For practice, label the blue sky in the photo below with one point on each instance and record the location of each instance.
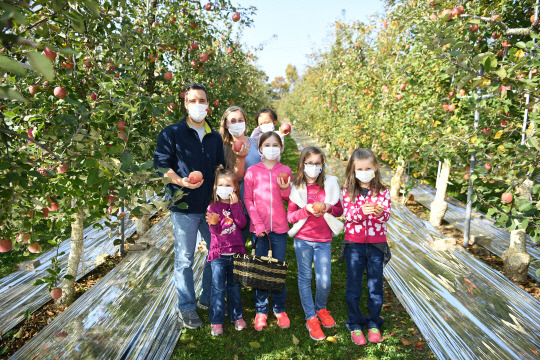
(301, 28)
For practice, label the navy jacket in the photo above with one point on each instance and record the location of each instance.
(180, 149)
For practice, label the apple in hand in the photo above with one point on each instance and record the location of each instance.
(195, 177)
(284, 176)
(319, 207)
(213, 218)
(285, 128)
(237, 146)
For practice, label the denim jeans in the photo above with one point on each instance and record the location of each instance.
(358, 258)
(318, 253)
(185, 227)
(260, 297)
(223, 282)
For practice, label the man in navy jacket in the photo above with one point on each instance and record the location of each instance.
(186, 146)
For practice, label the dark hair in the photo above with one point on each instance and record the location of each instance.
(230, 156)
(352, 184)
(300, 178)
(222, 172)
(271, 112)
(196, 86)
(265, 136)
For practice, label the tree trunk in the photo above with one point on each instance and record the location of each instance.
(142, 224)
(439, 206)
(395, 185)
(516, 259)
(77, 245)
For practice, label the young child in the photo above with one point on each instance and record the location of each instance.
(267, 120)
(313, 206)
(226, 218)
(264, 193)
(366, 204)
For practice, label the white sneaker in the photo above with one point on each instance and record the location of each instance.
(202, 306)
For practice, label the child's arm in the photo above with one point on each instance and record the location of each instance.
(256, 133)
(237, 212)
(294, 214)
(383, 216)
(351, 211)
(214, 229)
(337, 209)
(250, 205)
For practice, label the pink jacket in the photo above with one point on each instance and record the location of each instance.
(264, 199)
(362, 228)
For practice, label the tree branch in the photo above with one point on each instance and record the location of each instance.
(507, 30)
(44, 147)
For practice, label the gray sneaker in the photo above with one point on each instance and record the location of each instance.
(202, 306)
(190, 319)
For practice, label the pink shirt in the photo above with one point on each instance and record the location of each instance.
(264, 199)
(315, 228)
(362, 228)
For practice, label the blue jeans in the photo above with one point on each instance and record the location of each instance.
(185, 227)
(358, 258)
(318, 253)
(223, 282)
(260, 297)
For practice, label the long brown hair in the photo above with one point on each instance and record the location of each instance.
(230, 156)
(352, 184)
(222, 172)
(300, 179)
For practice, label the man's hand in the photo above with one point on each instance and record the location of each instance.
(183, 182)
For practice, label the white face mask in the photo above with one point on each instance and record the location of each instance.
(237, 129)
(312, 171)
(224, 192)
(365, 176)
(271, 152)
(197, 112)
(266, 127)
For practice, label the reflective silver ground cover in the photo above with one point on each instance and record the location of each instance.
(17, 294)
(128, 314)
(464, 308)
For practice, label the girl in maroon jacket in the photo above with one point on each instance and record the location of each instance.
(366, 208)
(226, 219)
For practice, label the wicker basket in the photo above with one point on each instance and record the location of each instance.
(260, 272)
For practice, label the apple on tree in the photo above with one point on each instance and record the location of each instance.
(5, 245)
(34, 247)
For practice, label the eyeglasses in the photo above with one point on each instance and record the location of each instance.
(195, 85)
(313, 164)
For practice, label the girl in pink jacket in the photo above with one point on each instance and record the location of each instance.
(266, 186)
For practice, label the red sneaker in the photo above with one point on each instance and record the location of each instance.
(314, 329)
(283, 320)
(358, 338)
(374, 335)
(326, 320)
(260, 321)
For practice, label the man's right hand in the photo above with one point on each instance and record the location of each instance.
(184, 182)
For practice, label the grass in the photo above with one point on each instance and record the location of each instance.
(402, 339)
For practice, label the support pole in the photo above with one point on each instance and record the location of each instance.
(123, 229)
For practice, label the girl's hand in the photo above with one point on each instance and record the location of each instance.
(233, 198)
(368, 208)
(282, 184)
(212, 218)
(378, 210)
(262, 234)
(309, 209)
(244, 150)
(328, 207)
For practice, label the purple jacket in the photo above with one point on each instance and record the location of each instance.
(227, 233)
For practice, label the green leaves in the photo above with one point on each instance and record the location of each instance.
(41, 64)
(12, 66)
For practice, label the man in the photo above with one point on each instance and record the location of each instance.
(186, 146)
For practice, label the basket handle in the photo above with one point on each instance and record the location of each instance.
(269, 245)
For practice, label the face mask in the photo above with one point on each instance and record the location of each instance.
(237, 129)
(224, 192)
(271, 153)
(312, 171)
(365, 176)
(266, 127)
(197, 112)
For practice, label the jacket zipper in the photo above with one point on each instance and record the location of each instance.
(271, 200)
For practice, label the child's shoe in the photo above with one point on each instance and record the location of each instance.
(326, 320)
(260, 321)
(314, 329)
(374, 335)
(283, 320)
(216, 329)
(240, 324)
(358, 338)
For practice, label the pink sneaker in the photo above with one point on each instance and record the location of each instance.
(240, 324)
(260, 321)
(283, 320)
(358, 338)
(216, 329)
(374, 335)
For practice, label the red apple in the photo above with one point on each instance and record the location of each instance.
(34, 247)
(402, 86)
(496, 35)
(451, 107)
(467, 176)
(216, 103)
(30, 132)
(49, 54)
(56, 293)
(284, 176)
(236, 17)
(445, 107)
(533, 18)
(93, 96)
(213, 219)
(504, 123)
(203, 57)
(168, 75)
(195, 177)
(473, 28)
(507, 197)
(398, 97)
(319, 207)
(45, 212)
(111, 198)
(122, 136)
(487, 166)
(60, 92)
(462, 92)
(121, 125)
(194, 46)
(33, 89)
(183, 94)
(112, 210)
(285, 128)
(486, 131)
(5, 245)
(208, 6)
(433, 17)
(237, 146)
(23, 238)
(229, 50)
(111, 67)
(172, 19)
(54, 205)
(62, 168)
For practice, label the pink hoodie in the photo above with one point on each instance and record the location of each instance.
(264, 199)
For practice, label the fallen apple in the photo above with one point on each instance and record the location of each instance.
(56, 293)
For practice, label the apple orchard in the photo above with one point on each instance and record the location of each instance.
(408, 86)
(86, 88)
